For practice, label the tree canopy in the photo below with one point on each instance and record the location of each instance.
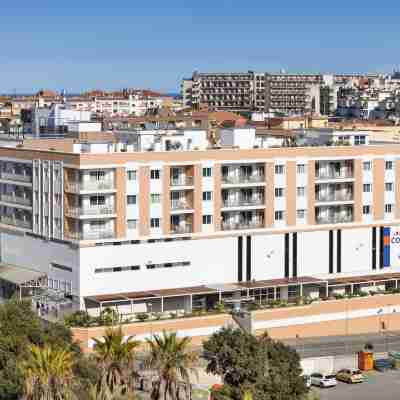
(267, 369)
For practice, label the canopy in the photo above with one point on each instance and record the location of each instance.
(19, 275)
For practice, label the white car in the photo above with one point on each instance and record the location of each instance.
(323, 380)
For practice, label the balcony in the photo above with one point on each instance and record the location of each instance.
(181, 205)
(182, 181)
(9, 198)
(240, 202)
(181, 229)
(12, 176)
(100, 185)
(242, 179)
(92, 235)
(244, 224)
(334, 174)
(77, 212)
(19, 223)
(334, 196)
(334, 219)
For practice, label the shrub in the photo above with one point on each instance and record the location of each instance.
(220, 307)
(157, 316)
(363, 294)
(173, 315)
(109, 317)
(142, 316)
(79, 318)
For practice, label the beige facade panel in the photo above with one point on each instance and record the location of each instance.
(144, 201)
(358, 190)
(269, 194)
(311, 192)
(120, 202)
(198, 199)
(378, 188)
(291, 193)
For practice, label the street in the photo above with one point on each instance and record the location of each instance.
(382, 386)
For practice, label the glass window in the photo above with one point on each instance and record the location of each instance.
(389, 165)
(278, 215)
(301, 214)
(131, 175)
(388, 208)
(367, 165)
(279, 192)
(155, 174)
(301, 191)
(366, 210)
(155, 222)
(97, 175)
(207, 172)
(367, 188)
(131, 199)
(207, 196)
(132, 223)
(207, 219)
(279, 169)
(389, 187)
(155, 198)
(301, 168)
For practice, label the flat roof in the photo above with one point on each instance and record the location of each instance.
(19, 275)
(281, 282)
(363, 279)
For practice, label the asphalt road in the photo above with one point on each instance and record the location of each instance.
(381, 386)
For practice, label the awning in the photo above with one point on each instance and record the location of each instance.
(19, 275)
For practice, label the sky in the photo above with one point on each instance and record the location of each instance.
(87, 44)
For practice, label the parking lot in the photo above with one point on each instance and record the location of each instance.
(381, 386)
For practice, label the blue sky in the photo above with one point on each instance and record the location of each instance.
(87, 44)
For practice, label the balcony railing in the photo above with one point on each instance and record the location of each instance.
(243, 202)
(12, 176)
(20, 223)
(93, 235)
(182, 181)
(242, 179)
(250, 224)
(334, 174)
(25, 201)
(89, 211)
(334, 219)
(339, 196)
(181, 229)
(181, 205)
(100, 185)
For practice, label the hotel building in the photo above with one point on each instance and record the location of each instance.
(166, 220)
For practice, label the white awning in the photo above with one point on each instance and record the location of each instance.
(19, 275)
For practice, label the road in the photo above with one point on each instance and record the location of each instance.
(382, 386)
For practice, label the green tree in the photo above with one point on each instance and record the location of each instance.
(173, 362)
(267, 369)
(48, 373)
(116, 356)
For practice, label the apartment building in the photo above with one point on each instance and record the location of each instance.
(173, 227)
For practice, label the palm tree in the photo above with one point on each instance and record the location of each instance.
(116, 356)
(48, 373)
(170, 358)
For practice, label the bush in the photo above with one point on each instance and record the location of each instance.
(79, 318)
(157, 316)
(363, 294)
(220, 307)
(253, 306)
(142, 316)
(109, 317)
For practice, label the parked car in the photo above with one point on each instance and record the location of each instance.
(350, 376)
(383, 364)
(323, 380)
(307, 381)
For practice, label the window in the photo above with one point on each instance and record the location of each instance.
(366, 210)
(131, 199)
(388, 187)
(207, 196)
(367, 165)
(155, 198)
(207, 172)
(388, 208)
(169, 265)
(367, 188)
(301, 191)
(359, 140)
(155, 222)
(279, 169)
(389, 165)
(132, 224)
(61, 267)
(118, 269)
(97, 201)
(98, 225)
(131, 175)
(301, 214)
(278, 215)
(278, 192)
(155, 174)
(301, 168)
(97, 175)
(207, 219)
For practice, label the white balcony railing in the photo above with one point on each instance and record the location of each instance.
(242, 179)
(89, 211)
(334, 219)
(249, 224)
(20, 223)
(11, 176)
(334, 174)
(339, 196)
(25, 201)
(243, 202)
(181, 205)
(182, 181)
(181, 229)
(92, 235)
(100, 185)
